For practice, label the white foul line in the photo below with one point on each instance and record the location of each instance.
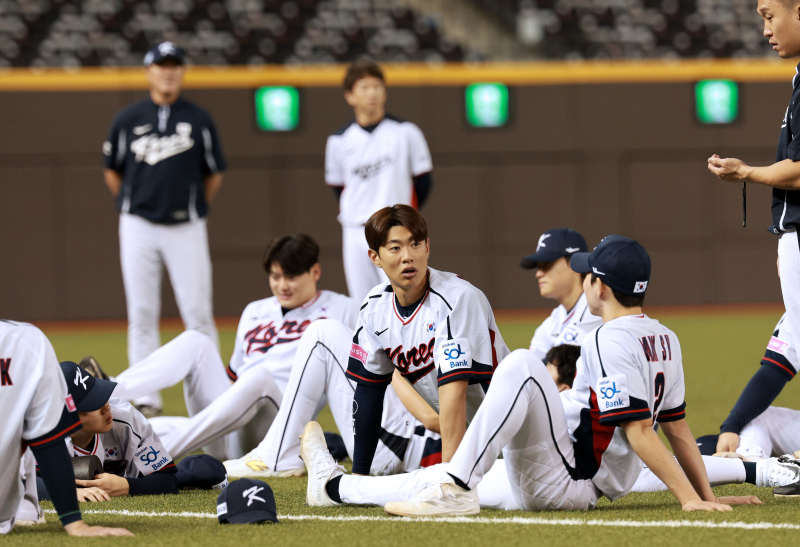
(481, 520)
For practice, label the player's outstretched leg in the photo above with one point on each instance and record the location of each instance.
(522, 415)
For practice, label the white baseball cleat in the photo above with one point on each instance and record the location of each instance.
(320, 464)
(442, 499)
(250, 465)
(777, 472)
(30, 522)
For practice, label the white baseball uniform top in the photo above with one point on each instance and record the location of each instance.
(376, 168)
(266, 337)
(630, 369)
(564, 327)
(451, 331)
(131, 448)
(37, 410)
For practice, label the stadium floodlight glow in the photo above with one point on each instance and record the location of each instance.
(277, 108)
(487, 104)
(717, 101)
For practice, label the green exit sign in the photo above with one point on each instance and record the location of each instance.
(717, 101)
(277, 108)
(487, 104)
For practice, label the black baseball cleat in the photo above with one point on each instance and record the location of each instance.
(788, 491)
(90, 365)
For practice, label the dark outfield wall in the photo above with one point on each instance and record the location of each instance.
(627, 159)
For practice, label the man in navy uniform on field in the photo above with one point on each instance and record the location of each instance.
(163, 164)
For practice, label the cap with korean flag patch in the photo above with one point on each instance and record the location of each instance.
(622, 263)
(246, 501)
(552, 245)
(88, 393)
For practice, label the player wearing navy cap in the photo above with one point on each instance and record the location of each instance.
(629, 375)
(163, 164)
(38, 413)
(571, 319)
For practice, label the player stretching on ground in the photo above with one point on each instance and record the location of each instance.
(38, 413)
(374, 161)
(433, 327)
(630, 373)
(133, 458)
(571, 320)
(266, 342)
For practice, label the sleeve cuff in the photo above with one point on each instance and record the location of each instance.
(232, 375)
(476, 374)
(69, 423)
(779, 363)
(672, 415)
(359, 374)
(637, 410)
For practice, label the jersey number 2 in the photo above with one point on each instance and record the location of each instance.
(659, 392)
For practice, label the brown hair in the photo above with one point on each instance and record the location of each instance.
(295, 254)
(377, 228)
(564, 358)
(359, 70)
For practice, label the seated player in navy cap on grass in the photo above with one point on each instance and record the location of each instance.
(132, 455)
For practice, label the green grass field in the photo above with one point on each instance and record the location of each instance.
(720, 352)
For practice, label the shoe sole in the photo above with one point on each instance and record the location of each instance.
(307, 430)
(398, 512)
(90, 365)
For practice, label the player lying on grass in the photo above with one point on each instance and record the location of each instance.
(630, 375)
(134, 460)
(38, 414)
(433, 327)
(319, 374)
(571, 319)
(266, 342)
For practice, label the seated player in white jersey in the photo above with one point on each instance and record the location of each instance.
(38, 414)
(405, 443)
(560, 457)
(571, 319)
(433, 327)
(134, 460)
(266, 341)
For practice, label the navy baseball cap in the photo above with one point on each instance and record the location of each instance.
(620, 262)
(163, 52)
(553, 244)
(202, 471)
(88, 392)
(246, 501)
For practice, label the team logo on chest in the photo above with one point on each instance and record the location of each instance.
(413, 363)
(263, 337)
(152, 148)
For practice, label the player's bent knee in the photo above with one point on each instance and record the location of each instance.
(327, 329)
(194, 338)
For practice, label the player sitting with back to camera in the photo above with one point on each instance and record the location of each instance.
(267, 339)
(630, 374)
(134, 460)
(571, 320)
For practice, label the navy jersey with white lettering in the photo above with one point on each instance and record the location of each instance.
(451, 335)
(786, 203)
(164, 154)
(630, 369)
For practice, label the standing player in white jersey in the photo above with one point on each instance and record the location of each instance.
(375, 161)
(571, 320)
(266, 342)
(630, 375)
(38, 413)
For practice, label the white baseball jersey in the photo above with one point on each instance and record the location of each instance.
(564, 327)
(36, 407)
(452, 331)
(131, 448)
(630, 369)
(375, 167)
(266, 337)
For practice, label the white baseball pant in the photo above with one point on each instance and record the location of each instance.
(789, 270)
(146, 247)
(193, 358)
(359, 271)
(520, 416)
(29, 509)
(720, 471)
(775, 432)
(318, 372)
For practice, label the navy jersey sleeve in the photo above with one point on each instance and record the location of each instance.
(793, 114)
(115, 146)
(212, 150)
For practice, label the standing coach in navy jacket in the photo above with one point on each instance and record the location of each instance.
(163, 164)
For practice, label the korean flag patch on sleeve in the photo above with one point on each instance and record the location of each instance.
(612, 393)
(455, 354)
(150, 457)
